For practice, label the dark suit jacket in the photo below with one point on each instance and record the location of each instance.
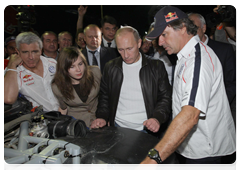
(227, 57)
(102, 45)
(106, 54)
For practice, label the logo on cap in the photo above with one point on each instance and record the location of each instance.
(171, 16)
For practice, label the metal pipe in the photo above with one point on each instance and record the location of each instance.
(22, 143)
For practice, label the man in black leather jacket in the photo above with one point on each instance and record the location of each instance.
(115, 95)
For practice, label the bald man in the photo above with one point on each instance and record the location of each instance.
(94, 53)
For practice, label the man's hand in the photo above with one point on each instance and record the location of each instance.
(147, 164)
(152, 124)
(14, 61)
(82, 10)
(98, 123)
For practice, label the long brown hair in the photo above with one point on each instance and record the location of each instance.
(62, 79)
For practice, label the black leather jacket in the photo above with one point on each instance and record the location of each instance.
(157, 92)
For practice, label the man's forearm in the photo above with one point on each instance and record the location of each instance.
(178, 131)
(80, 22)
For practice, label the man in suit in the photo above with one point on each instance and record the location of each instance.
(225, 54)
(108, 28)
(94, 53)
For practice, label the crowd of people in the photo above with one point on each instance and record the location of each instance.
(175, 83)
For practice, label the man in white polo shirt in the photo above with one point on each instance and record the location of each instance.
(202, 129)
(30, 74)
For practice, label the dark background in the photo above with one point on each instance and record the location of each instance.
(59, 18)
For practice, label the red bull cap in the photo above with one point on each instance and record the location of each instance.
(165, 16)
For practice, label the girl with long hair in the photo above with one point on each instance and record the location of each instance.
(76, 85)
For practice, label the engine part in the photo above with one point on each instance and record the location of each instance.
(41, 148)
(39, 127)
(58, 151)
(42, 152)
(73, 128)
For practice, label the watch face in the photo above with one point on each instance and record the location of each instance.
(152, 153)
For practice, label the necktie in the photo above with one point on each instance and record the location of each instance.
(109, 44)
(94, 61)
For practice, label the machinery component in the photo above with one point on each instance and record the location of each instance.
(66, 154)
(71, 128)
(58, 151)
(41, 148)
(45, 151)
(39, 127)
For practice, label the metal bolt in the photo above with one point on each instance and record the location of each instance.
(66, 154)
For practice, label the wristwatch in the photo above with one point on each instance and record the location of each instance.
(153, 154)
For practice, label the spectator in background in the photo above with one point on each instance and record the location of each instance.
(108, 28)
(94, 53)
(50, 45)
(30, 74)
(146, 47)
(76, 85)
(226, 30)
(162, 55)
(64, 40)
(80, 40)
(9, 47)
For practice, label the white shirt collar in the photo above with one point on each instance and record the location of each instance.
(206, 41)
(105, 42)
(98, 49)
(42, 58)
(186, 49)
(134, 64)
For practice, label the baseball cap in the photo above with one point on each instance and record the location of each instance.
(9, 39)
(165, 16)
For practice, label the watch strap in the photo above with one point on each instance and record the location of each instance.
(156, 156)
